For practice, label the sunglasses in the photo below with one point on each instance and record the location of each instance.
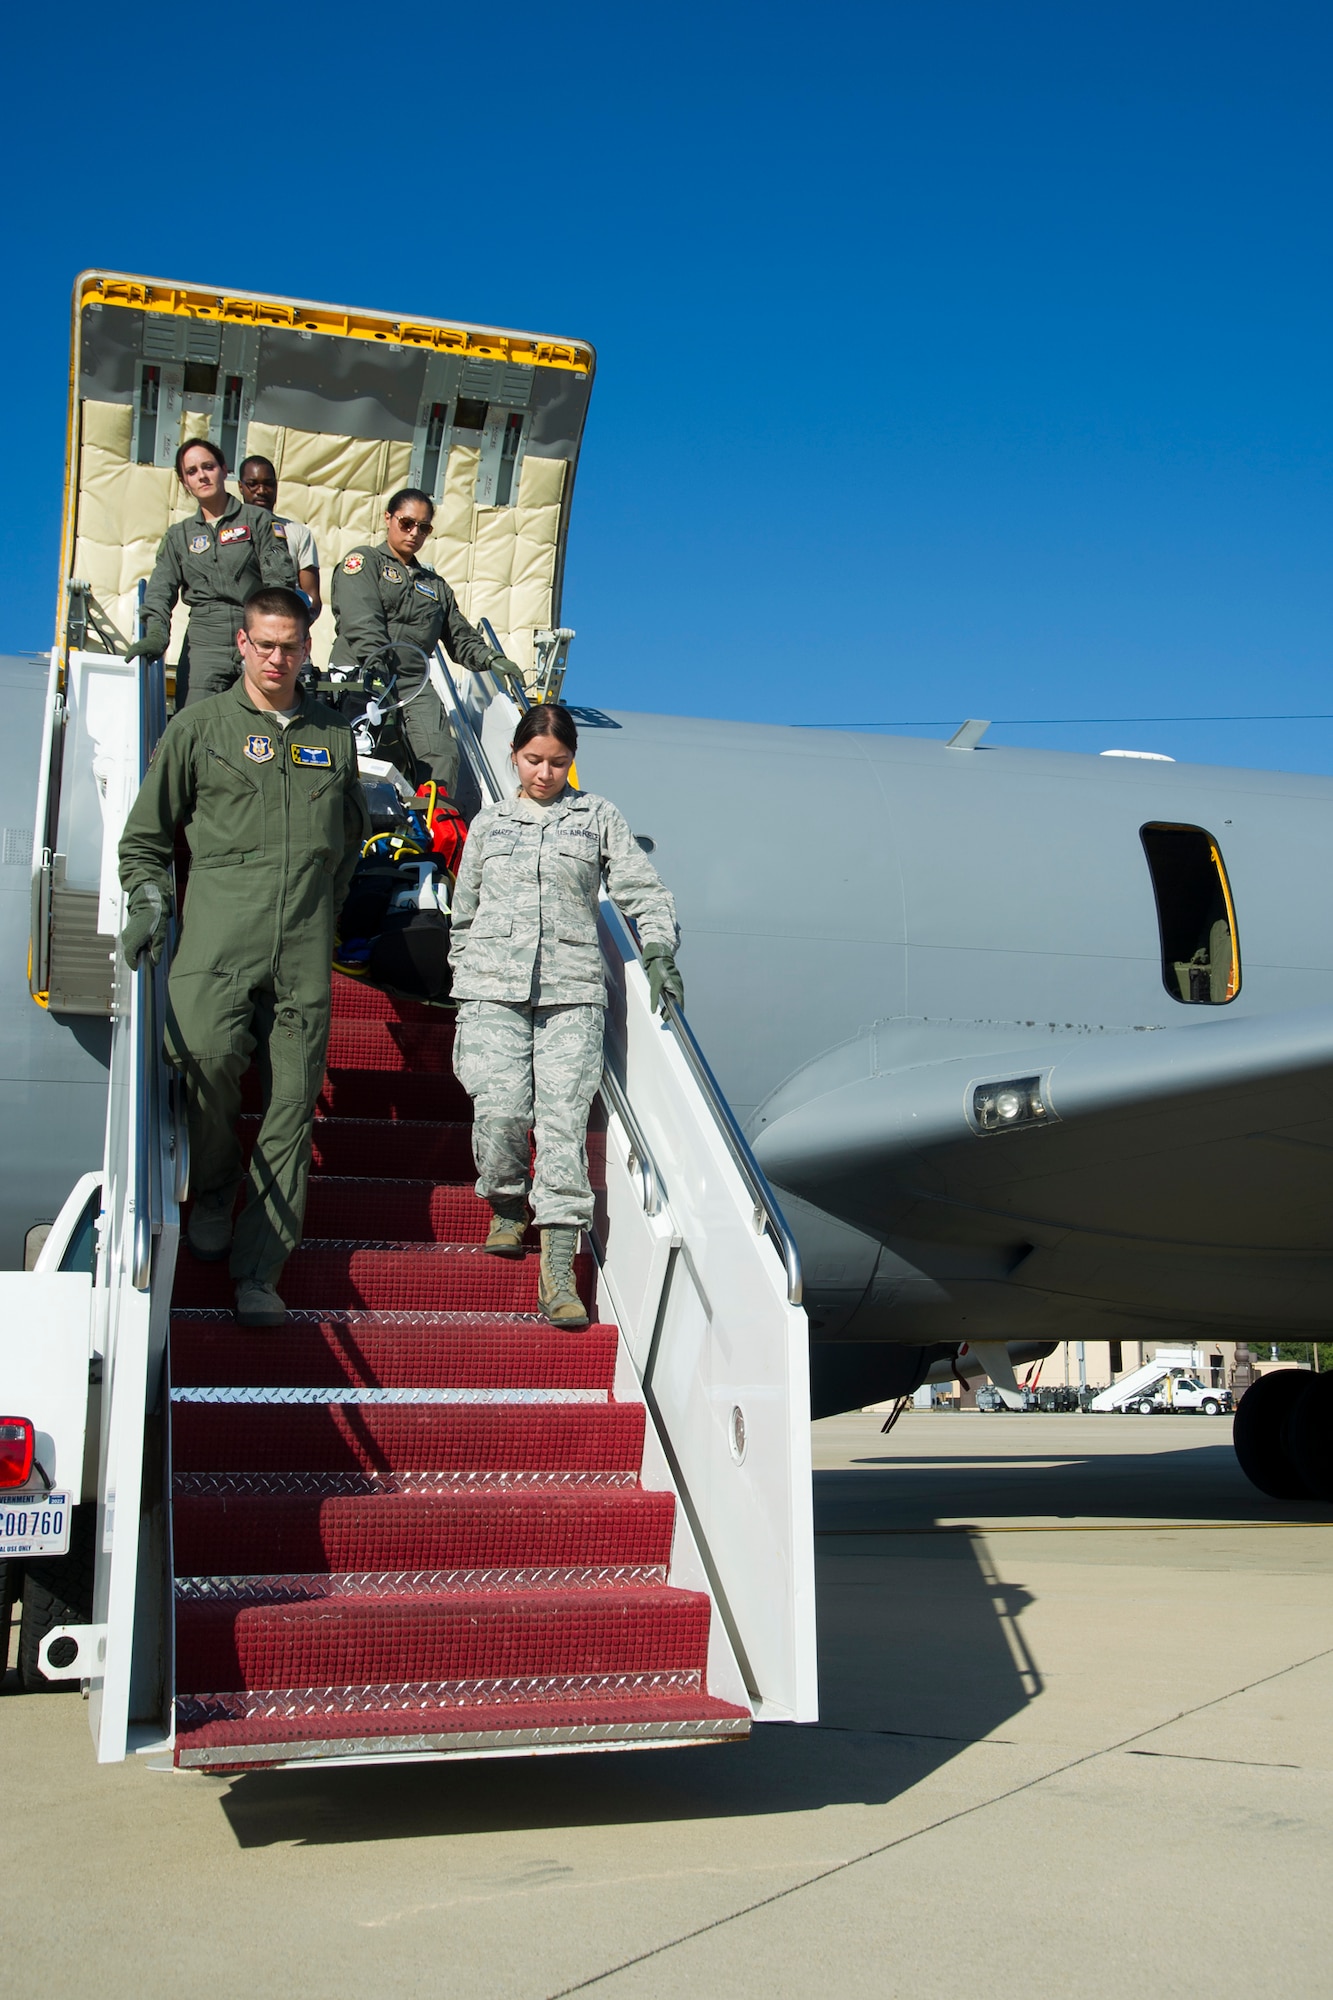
(409, 525)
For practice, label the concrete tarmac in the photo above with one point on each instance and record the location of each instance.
(1076, 1739)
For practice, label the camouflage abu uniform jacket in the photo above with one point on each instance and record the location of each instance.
(525, 908)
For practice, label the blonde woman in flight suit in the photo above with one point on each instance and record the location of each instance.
(531, 992)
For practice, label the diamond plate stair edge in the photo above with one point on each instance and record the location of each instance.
(463, 1743)
(195, 1711)
(332, 1484)
(304, 1585)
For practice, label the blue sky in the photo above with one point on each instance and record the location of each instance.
(954, 359)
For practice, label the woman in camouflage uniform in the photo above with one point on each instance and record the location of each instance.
(532, 994)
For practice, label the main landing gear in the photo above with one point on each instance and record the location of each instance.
(1283, 1435)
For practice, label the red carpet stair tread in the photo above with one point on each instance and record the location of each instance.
(412, 1519)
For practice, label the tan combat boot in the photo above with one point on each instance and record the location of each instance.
(508, 1228)
(557, 1294)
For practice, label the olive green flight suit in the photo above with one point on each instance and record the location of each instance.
(377, 599)
(275, 819)
(214, 566)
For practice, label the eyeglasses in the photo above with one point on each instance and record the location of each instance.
(409, 525)
(284, 653)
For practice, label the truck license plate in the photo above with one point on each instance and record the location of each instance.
(34, 1524)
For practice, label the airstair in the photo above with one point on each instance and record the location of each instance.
(417, 1520)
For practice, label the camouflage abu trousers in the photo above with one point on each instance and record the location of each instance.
(531, 1069)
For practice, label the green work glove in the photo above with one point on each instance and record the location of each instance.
(145, 927)
(153, 643)
(508, 672)
(664, 981)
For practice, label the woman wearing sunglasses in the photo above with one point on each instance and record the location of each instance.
(385, 596)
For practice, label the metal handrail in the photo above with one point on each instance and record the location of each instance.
(768, 1217)
(144, 1066)
(519, 694)
(641, 1160)
(151, 681)
(471, 742)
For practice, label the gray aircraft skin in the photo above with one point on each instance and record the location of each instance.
(876, 928)
(53, 1070)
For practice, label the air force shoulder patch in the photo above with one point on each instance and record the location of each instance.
(311, 753)
(259, 749)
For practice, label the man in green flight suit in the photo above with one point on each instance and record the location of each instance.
(382, 595)
(214, 560)
(264, 780)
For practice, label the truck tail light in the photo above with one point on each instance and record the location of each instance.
(16, 1446)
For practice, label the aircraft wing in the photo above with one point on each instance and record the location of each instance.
(1182, 1172)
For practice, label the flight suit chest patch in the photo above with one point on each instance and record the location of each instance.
(313, 754)
(259, 749)
(198, 545)
(390, 574)
(428, 590)
(238, 532)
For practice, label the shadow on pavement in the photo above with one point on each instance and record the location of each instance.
(920, 1654)
(921, 1651)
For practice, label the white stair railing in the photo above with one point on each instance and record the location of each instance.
(700, 1272)
(145, 1172)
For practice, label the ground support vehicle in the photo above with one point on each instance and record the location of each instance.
(1160, 1386)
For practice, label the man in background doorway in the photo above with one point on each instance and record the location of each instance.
(258, 481)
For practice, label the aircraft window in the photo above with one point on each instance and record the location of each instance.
(1195, 915)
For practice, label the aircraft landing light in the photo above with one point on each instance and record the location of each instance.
(1003, 1107)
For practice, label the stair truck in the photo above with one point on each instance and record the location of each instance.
(415, 1522)
(1164, 1383)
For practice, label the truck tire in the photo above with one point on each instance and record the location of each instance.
(1211, 1407)
(57, 1590)
(1310, 1437)
(1262, 1430)
(1145, 1408)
